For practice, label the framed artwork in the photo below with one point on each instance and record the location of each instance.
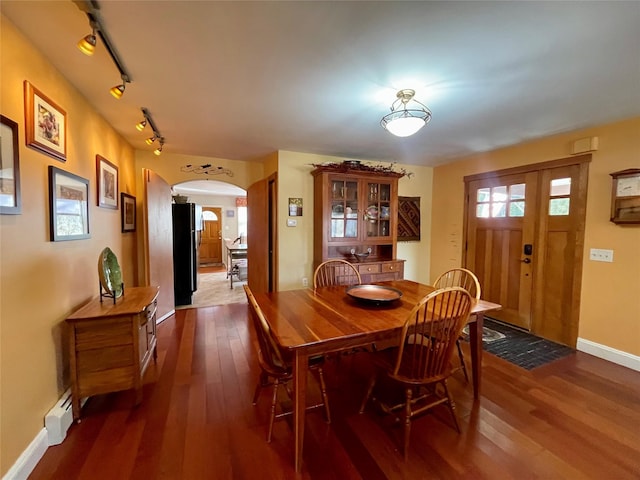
(128, 212)
(408, 219)
(295, 207)
(46, 123)
(10, 200)
(68, 206)
(107, 181)
(230, 213)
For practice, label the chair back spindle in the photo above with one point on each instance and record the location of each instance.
(336, 272)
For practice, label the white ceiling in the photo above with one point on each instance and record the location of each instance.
(239, 80)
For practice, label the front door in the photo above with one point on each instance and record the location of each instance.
(524, 238)
(211, 239)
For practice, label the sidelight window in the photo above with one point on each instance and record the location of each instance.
(560, 193)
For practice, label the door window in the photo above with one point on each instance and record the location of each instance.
(559, 194)
(501, 201)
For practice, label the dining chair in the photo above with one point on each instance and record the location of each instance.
(421, 361)
(460, 277)
(275, 368)
(336, 272)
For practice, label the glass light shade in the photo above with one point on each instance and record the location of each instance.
(140, 125)
(404, 126)
(158, 150)
(87, 45)
(117, 91)
(150, 140)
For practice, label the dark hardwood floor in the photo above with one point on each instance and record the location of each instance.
(576, 418)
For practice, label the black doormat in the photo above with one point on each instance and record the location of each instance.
(519, 347)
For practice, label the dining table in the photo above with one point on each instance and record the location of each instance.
(309, 322)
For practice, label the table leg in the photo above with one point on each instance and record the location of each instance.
(300, 369)
(475, 340)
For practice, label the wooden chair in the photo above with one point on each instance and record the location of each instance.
(336, 272)
(460, 277)
(422, 359)
(276, 367)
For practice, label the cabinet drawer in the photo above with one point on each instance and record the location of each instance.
(369, 268)
(392, 267)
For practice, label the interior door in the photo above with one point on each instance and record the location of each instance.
(158, 240)
(500, 237)
(211, 239)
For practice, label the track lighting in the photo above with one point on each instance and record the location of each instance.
(158, 150)
(118, 90)
(156, 133)
(88, 43)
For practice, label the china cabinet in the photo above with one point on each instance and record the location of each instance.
(355, 218)
(111, 344)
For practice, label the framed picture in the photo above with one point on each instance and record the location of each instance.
(408, 219)
(231, 213)
(10, 200)
(68, 205)
(107, 181)
(128, 212)
(46, 123)
(295, 207)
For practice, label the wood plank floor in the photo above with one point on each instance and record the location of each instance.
(576, 418)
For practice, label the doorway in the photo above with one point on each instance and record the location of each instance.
(524, 239)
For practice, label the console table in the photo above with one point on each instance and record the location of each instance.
(111, 344)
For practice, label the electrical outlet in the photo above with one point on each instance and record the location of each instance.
(601, 255)
(305, 282)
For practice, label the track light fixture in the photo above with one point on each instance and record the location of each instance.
(158, 150)
(156, 133)
(140, 125)
(407, 115)
(118, 90)
(88, 43)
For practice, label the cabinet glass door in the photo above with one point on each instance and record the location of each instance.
(377, 214)
(344, 208)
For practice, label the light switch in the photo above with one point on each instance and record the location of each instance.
(292, 222)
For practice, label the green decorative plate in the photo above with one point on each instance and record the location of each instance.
(109, 272)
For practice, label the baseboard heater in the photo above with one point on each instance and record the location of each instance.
(59, 419)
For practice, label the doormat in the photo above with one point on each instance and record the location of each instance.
(522, 348)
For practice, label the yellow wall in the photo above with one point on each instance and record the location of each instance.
(42, 282)
(610, 306)
(295, 244)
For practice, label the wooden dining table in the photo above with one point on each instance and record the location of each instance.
(310, 322)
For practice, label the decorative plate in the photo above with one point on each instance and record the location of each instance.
(109, 273)
(337, 210)
(371, 213)
(374, 294)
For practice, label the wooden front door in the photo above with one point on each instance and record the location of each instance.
(524, 240)
(211, 238)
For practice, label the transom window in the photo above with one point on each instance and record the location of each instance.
(501, 201)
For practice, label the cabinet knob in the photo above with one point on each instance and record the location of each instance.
(369, 269)
(391, 267)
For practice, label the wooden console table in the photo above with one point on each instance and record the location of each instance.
(111, 344)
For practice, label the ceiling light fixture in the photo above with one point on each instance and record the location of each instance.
(88, 43)
(92, 10)
(118, 90)
(406, 118)
(158, 150)
(148, 120)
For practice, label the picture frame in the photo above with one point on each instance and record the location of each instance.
(10, 198)
(408, 219)
(45, 123)
(295, 207)
(128, 212)
(68, 206)
(107, 183)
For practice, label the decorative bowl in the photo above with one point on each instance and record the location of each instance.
(361, 256)
(180, 198)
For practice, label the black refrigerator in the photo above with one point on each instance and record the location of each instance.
(185, 252)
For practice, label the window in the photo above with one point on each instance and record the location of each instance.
(242, 222)
(501, 201)
(209, 216)
(560, 192)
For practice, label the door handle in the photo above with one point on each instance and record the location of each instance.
(526, 260)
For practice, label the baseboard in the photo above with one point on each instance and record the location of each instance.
(610, 354)
(164, 317)
(29, 458)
